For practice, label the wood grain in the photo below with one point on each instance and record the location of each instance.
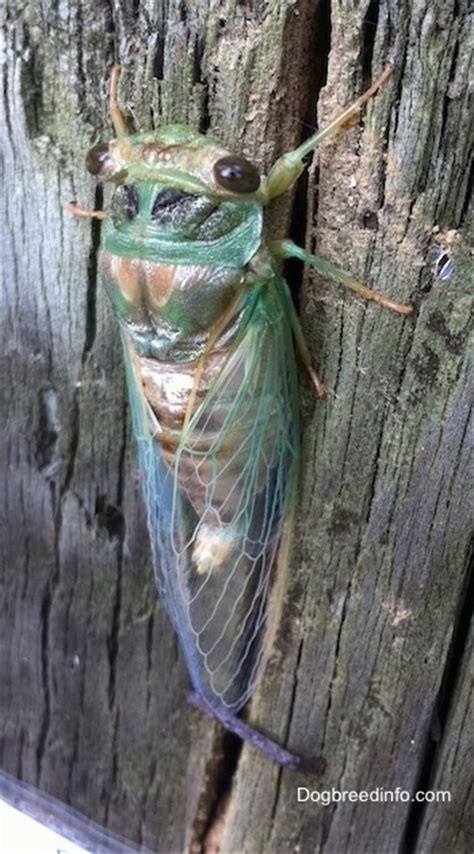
(93, 686)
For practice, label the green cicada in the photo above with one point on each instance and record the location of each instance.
(209, 333)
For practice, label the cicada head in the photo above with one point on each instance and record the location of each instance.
(178, 157)
(176, 182)
(179, 195)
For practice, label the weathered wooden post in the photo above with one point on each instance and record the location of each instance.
(371, 664)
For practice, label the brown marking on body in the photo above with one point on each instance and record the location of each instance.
(159, 281)
(140, 280)
(127, 272)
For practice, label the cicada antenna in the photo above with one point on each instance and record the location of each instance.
(118, 118)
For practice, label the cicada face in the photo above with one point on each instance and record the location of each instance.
(175, 156)
(176, 186)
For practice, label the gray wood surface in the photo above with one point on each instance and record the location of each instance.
(447, 826)
(370, 665)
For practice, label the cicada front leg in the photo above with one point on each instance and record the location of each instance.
(76, 210)
(286, 171)
(289, 167)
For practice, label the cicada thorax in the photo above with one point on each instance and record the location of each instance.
(168, 309)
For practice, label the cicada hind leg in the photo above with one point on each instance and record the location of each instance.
(258, 740)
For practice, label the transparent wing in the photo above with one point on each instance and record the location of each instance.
(219, 502)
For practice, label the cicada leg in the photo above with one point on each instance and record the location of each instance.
(305, 357)
(76, 210)
(282, 249)
(253, 736)
(289, 167)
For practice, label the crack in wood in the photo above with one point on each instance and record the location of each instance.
(369, 32)
(91, 298)
(114, 635)
(209, 823)
(441, 708)
(44, 728)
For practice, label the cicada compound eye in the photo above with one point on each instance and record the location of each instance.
(99, 161)
(236, 175)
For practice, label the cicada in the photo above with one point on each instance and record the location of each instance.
(211, 340)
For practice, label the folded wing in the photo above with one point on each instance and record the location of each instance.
(219, 501)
